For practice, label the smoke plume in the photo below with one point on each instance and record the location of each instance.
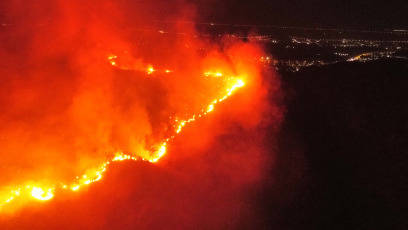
(82, 80)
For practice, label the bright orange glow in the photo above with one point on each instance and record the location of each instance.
(150, 69)
(112, 60)
(210, 108)
(40, 194)
(211, 74)
(111, 105)
(86, 179)
(94, 96)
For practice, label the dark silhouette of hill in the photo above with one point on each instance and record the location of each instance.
(343, 160)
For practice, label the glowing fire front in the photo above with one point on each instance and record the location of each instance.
(40, 194)
(38, 191)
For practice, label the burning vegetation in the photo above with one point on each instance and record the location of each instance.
(87, 84)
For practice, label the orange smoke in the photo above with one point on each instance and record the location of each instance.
(89, 83)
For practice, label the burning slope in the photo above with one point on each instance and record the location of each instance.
(95, 174)
(81, 90)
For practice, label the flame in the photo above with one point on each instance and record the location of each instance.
(210, 108)
(150, 69)
(216, 74)
(106, 88)
(40, 194)
(96, 174)
(112, 61)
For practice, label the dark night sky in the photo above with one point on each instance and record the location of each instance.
(337, 13)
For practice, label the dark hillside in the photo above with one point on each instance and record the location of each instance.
(350, 121)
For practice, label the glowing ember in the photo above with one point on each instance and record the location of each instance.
(40, 194)
(112, 60)
(105, 89)
(150, 70)
(210, 108)
(86, 179)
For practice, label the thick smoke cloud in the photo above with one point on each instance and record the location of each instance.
(61, 100)
(66, 107)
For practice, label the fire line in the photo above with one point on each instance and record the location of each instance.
(43, 193)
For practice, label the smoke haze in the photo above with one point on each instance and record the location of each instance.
(81, 80)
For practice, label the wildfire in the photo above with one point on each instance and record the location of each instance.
(111, 60)
(150, 69)
(44, 193)
(40, 194)
(217, 74)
